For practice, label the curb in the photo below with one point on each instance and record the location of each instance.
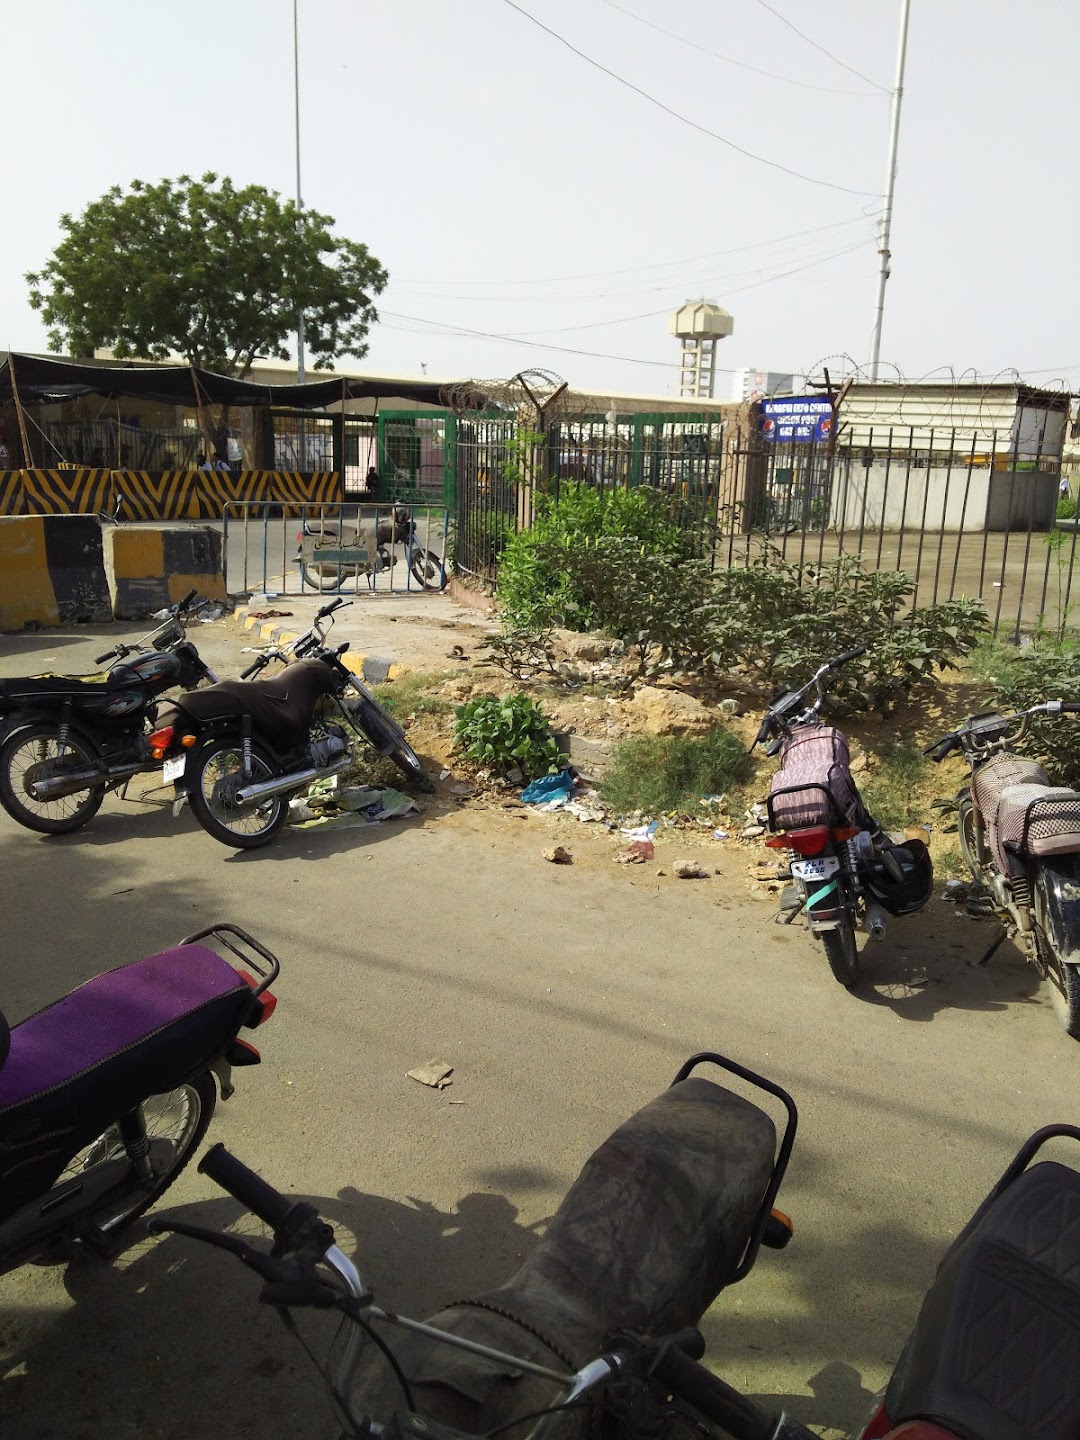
(375, 669)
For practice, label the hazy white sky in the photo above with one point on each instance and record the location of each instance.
(511, 188)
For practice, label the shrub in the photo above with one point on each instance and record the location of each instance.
(1066, 508)
(507, 732)
(1049, 670)
(662, 774)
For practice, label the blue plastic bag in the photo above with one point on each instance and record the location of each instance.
(548, 788)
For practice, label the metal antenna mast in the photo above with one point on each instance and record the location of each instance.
(300, 371)
(890, 185)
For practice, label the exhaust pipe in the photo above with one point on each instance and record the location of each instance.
(267, 789)
(875, 920)
(60, 785)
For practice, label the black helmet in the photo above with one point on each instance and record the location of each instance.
(911, 892)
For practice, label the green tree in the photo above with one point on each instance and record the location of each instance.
(202, 269)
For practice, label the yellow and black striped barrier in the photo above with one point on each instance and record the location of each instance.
(160, 495)
(151, 566)
(52, 571)
(55, 492)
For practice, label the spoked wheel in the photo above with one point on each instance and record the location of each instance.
(842, 952)
(34, 754)
(427, 568)
(965, 833)
(386, 735)
(321, 577)
(219, 774)
(1064, 982)
(176, 1122)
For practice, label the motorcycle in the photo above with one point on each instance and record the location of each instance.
(237, 750)
(68, 740)
(330, 552)
(1020, 837)
(596, 1333)
(106, 1094)
(846, 870)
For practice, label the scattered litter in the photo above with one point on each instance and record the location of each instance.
(444, 774)
(721, 834)
(262, 597)
(355, 806)
(160, 615)
(757, 811)
(712, 800)
(551, 791)
(435, 1073)
(463, 787)
(259, 615)
(585, 810)
(456, 1102)
(557, 855)
(689, 870)
(642, 832)
(661, 872)
(637, 853)
(300, 810)
(457, 653)
(955, 891)
(515, 776)
(751, 832)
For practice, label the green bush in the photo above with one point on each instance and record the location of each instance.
(507, 732)
(1049, 670)
(1066, 508)
(665, 774)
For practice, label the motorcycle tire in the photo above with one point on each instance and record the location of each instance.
(427, 569)
(386, 736)
(219, 769)
(965, 834)
(33, 746)
(195, 1101)
(842, 952)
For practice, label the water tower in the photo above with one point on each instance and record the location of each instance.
(699, 324)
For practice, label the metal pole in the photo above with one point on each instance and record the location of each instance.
(300, 371)
(890, 183)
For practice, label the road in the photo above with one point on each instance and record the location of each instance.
(563, 997)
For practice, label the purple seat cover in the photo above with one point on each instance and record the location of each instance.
(108, 1014)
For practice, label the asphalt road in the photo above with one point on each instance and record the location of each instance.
(564, 997)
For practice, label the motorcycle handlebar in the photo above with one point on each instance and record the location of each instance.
(188, 598)
(852, 654)
(333, 605)
(109, 655)
(256, 665)
(941, 748)
(244, 1185)
(718, 1401)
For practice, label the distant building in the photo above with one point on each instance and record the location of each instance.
(750, 384)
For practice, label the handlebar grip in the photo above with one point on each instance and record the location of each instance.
(852, 654)
(186, 601)
(253, 668)
(244, 1185)
(331, 607)
(1070, 707)
(942, 748)
(107, 656)
(715, 1399)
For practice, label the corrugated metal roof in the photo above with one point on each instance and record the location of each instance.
(993, 417)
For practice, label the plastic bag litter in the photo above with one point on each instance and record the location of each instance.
(363, 806)
(642, 832)
(551, 791)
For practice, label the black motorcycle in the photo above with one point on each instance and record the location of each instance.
(237, 751)
(68, 740)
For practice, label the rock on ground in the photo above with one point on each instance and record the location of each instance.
(670, 712)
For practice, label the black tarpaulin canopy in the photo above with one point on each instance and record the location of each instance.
(33, 380)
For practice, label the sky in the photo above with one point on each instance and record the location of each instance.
(535, 211)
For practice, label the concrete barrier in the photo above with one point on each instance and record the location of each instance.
(52, 571)
(151, 566)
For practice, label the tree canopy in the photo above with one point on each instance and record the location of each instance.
(202, 269)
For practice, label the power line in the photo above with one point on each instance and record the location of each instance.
(835, 58)
(656, 264)
(702, 129)
(729, 60)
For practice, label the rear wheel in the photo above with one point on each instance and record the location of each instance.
(176, 1122)
(321, 577)
(842, 952)
(427, 569)
(34, 754)
(1064, 982)
(219, 774)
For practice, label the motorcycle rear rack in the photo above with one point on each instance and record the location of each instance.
(1016, 1168)
(783, 1152)
(263, 961)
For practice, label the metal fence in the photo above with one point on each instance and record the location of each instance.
(298, 549)
(108, 443)
(961, 513)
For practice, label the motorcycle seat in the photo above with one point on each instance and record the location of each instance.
(1039, 819)
(26, 687)
(74, 1067)
(281, 708)
(996, 1350)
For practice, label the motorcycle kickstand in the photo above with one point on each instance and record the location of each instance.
(1003, 936)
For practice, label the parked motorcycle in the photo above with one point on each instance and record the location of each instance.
(237, 750)
(846, 870)
(331, 551)
(106, 1094)
(1020, 836)
(595, 1334)
(68, 740)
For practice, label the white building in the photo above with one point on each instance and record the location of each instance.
(750, 383)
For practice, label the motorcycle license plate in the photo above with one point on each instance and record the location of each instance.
(815, 869)
(173, 769)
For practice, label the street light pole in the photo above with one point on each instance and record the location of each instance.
(300, 370)
(890, 185)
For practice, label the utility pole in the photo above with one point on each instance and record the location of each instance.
(300, 370)
(890, 185)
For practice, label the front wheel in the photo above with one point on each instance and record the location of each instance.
(966, 834)
(427, 568)
(219, 774)
(386, 735)
(842, 952)
(1064, 982)
(176, 1122)
(33, 755)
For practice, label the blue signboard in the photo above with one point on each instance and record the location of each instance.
(800, 417)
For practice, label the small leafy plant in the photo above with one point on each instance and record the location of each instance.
(666, 774)
(507, 731)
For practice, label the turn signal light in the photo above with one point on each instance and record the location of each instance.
(805, 842)
(187, 741)
(779, 1228)
(845, 832)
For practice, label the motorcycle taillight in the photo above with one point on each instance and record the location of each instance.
(805, 842)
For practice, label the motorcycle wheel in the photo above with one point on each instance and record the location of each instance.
(219, 772)
(1064, 981)
(176, 1122)
(321, 577)
(22, 757)
(428, 570)
(842, 952)
(386, 736)
(965, 834)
